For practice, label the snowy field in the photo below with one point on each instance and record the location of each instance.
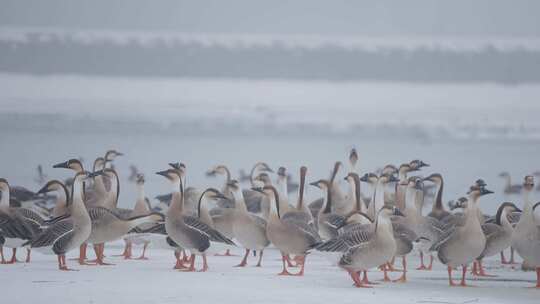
(154, 281)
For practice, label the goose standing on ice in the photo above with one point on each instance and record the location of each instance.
(526, 236)
(70, 230)
(142, 207)
(498, 235)
(290, 235)
(249, 230)
(17, 225)
(465, 242)
(367, 248)
(187, 231)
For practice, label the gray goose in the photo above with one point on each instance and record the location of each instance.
(526, 236)
(249, 229)
(17, 225)
(463, 243)
(187, 231)
(290, 235)
(69, 231)
(366, 248)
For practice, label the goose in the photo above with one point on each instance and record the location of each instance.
(378, 200)
(437, 210)
(526, 236)
(71, 230)
(142, 207)
(249, 230)
(109, 224)
(404, 227)
(401, 186)
(17, 225)
(316, 205)
(353, 161)
(498, 236)
(366, 248)
(187, 231)
(509, 188)
(288, 234)
(327, 221)
(358, 214)
(62, 196)
(463, 243)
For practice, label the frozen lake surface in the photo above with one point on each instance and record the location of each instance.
(154, 281)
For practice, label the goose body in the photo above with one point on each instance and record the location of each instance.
(526, 236)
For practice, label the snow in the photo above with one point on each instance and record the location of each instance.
(154, 281)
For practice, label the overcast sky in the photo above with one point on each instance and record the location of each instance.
(381, 17)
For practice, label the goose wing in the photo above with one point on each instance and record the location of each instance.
(55, 235)
(100, 214)
(351, 238)
(14, 225)
(32, 218)
(308, 230)
(201, 228)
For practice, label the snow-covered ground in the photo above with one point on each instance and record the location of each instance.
(154, 281)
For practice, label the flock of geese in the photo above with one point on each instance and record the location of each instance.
(365, 229)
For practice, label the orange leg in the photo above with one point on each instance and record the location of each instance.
(2, 255)
(28, 251)
(481, 271)
(474, 270)
(13, 257)
(243, 263)
(422, 266)
(227, 253)
(302, 265)
(260, 258)
(450, 281)
(179, 260)
(283, 260)
(403, 277)
(62, 263)
(205, 263)
(430, 267)
(356, 279)
(385, 270)
(191, 264)
(512, 261)
(82, 255)
(390, 265)
(288, 260)
(537, 278)
(142, 257)
(463, 275)
(99, 249)
(366, 281)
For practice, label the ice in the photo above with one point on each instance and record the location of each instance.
(154, 281)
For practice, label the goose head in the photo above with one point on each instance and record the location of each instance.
(99, 164)
(173, 176)
(504, 174)
(140, 179)
(72, 164)
(370, 178)
(417, 164)
(475, 192)
(262, 167)
(353, 157)
(218, 170)
(528, 182)
(415, 183)
(53, 185)
(434, 178)
(112, 155)
(321, 184)
(4, 185)
(263, 179)
(389, 211)
(389, 169)
(282, 174)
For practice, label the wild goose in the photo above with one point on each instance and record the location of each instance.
(378, 200)
(510, 188)
(69, 231)
(437, 210)
(142, 207)
(360, 209)
(108, 226)
(327, 221)
(366, 248)
(290, 235)
(249, 230)
(17, 225)
(498, 236)
(462, 244)
(401, 186)
(526, 236)
(188, 231)
(62, 197)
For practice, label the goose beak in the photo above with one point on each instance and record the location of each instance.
(485, 191)
(219, 195)
(45, 189)
(516, 209)
(96, 173)
(162, 173)
(211, 173)
(316, 184)
(64, 165)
